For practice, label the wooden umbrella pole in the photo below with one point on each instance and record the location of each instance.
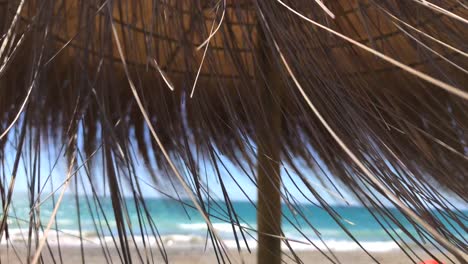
(268, 159)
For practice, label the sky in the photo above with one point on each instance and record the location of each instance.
(149, 187)
(58, 176)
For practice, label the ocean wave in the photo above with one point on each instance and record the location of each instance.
(341, 245)
(175, 241)
(220, 227)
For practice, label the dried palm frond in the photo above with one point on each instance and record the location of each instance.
(373, 91)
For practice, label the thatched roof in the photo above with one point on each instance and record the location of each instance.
(408, 128)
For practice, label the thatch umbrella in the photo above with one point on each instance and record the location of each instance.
(375, 89)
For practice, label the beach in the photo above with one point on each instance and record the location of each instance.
(184, 235)
(225, 131)
(94, 255)
(184, 249)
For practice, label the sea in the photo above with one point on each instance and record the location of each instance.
(176, 223)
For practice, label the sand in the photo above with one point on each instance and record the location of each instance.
(94, 255)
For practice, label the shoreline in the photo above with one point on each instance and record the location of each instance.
(71, 238)
(94, 254)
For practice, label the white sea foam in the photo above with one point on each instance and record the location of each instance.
(335, 246)
(72, 238)
(65, 237)
(220, 227)
(194, 227)
(341, 245)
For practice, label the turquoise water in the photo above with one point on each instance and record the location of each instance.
(184, 223)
